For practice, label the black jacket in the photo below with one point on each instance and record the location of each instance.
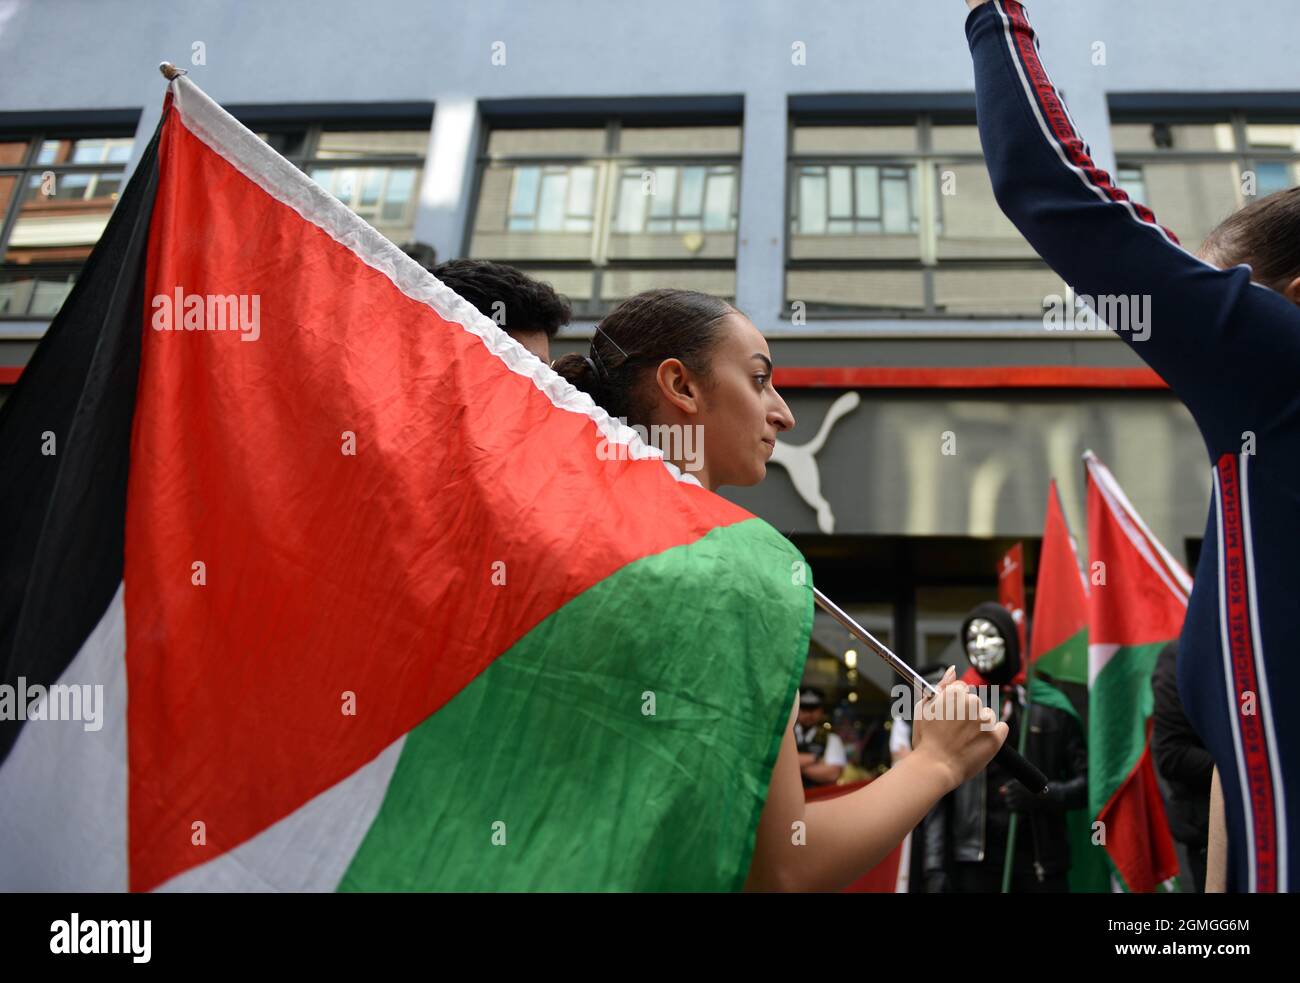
(1180, 757)
(961, 829)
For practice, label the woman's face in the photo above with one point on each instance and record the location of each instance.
(739, 411)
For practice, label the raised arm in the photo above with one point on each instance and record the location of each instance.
(1209, 330)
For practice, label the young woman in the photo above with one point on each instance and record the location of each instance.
(678, 358)
(1224, 332)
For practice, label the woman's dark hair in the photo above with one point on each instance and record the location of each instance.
(1265, 234)
(635, 337)
(529, 305)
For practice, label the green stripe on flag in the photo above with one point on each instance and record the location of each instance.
(1090, 865)
(1120, 701)
(548, 773)
(1068, 662)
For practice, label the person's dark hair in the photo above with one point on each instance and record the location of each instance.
(530, 305)
(1265, 234)
(635, 337)
(422, 253)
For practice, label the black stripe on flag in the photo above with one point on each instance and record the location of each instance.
(63, 515)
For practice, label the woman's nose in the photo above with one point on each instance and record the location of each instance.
(782, 418)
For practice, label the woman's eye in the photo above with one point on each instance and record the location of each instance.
(761, 379)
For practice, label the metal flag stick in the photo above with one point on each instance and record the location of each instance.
(1007, 756)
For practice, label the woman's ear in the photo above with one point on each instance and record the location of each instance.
(675, 385)
(1291, 291)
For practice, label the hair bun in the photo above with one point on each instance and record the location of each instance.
(580, 371)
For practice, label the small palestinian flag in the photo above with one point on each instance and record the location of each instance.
(1058, 647)
(353, 592)
(1058, 644)
(1136, 606)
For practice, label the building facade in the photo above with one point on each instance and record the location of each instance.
(817, 163)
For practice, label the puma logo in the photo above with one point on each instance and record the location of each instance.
(799, 461)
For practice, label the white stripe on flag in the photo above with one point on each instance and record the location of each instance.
(1162, 563)
(309, 849)
(63, 788)
(63, 802)
(1098, 655)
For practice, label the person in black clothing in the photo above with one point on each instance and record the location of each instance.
(1183, 763)
(966, 833)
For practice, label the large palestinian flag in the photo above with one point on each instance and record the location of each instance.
(375, 600)
(1136, 604)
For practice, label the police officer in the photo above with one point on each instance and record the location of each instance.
(821, 752)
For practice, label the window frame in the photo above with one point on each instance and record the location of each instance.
(36, 137)
(1242, 155)
(925, 160)
(609, 165)
(313, 126)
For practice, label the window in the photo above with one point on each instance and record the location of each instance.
(376, 173)
(552, 198)
(57, 191)
(607, 209)
(1193, 173)
(896, 218)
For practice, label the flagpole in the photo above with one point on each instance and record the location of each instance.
(1008, 757)
(1015, 816)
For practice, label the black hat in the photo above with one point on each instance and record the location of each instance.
(810, 698)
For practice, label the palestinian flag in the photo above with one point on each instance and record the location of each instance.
(372, 599)
(1011, 587)
(1058, 643)
(1135, 607)
(1058, 649)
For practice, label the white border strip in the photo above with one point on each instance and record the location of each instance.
(1169, 571)
(253, 158)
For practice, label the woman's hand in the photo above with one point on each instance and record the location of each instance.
(956, 730)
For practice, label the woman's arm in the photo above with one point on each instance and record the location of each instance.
(825, 846)
(1216, 859)
(1228, 348)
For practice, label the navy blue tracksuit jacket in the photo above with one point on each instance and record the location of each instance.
(1230, 350)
